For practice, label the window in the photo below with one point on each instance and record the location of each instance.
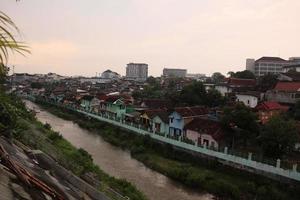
(171, 120)
(157, 127)
(205, 142)
(212, 144)
(293, 95)
(248, 102)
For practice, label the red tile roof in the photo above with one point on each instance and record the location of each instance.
(288, 86)
(156, 103)
(112, 98)
(102, 97)
(191, 111)
(164, 116)
(270, 59)
(238, 82)
(206, 126)
(270, 105)
(152, 113)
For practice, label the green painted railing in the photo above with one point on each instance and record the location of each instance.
(222, 156)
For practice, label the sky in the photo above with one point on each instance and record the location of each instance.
(80, 37)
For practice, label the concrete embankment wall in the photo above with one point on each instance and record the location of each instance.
(246, 164)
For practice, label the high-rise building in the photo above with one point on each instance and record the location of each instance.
(250, 64)
(108, 74)
(266, 65)
(137, 71)
(171, 72)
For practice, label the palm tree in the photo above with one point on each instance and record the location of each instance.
(8, 43)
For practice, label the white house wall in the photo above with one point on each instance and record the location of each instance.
(248, 100)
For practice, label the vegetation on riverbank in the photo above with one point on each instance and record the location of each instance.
(201, 174)
(18, 124)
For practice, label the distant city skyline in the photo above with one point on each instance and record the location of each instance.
(82, 38)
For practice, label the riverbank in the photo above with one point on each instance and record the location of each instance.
(19, 126)
(35, 135)
(40, 136)
(189, 170)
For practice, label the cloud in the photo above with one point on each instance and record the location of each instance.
(202, 35)
(46, 56)
(54, 48)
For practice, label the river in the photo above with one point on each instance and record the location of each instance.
(117, 162)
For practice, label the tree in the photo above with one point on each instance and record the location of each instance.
(196, 94)
(278, 137)
(295, 111)
(214, 98)
(193, 94)
(152, 80)
(240, 122)
(246, 74)
(8, 117)
(217, 77)
(230, 73)
(8, 43)
(36, 85)
(267, 82)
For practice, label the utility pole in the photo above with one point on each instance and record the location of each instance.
(14, 76)
(12, 81)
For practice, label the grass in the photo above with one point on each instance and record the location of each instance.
(201, 174)
(39, 136)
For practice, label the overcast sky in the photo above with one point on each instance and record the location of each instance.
(82, 37)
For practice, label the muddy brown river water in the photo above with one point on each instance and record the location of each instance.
(118, 162)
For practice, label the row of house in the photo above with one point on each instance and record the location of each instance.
(197, 124)
(285, 91)
(154, 115)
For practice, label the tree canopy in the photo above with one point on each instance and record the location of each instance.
(196, 94)
(267, 82)
(246, 74)
(295, 111)
(8, 43)
(217, 77)
(278, 137)
(241, 122)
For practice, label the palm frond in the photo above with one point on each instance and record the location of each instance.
(8, 43)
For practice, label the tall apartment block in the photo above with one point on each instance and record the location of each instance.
(171, 72)
(268, 65)
(137, 71)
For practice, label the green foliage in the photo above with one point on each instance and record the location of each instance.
(11, 108)
(217, 77)
(54, 136)
(240, 122)
(7, 116)
(195, 94)
(152, 90)
(294, 112)
(3, 73)
(267, 82)
(214, 98)
(36, 85)
(278, 137)
(153, 81)
(7, 40)
(47, 126)
(246, 74)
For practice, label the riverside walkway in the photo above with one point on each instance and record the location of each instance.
(223, 156)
